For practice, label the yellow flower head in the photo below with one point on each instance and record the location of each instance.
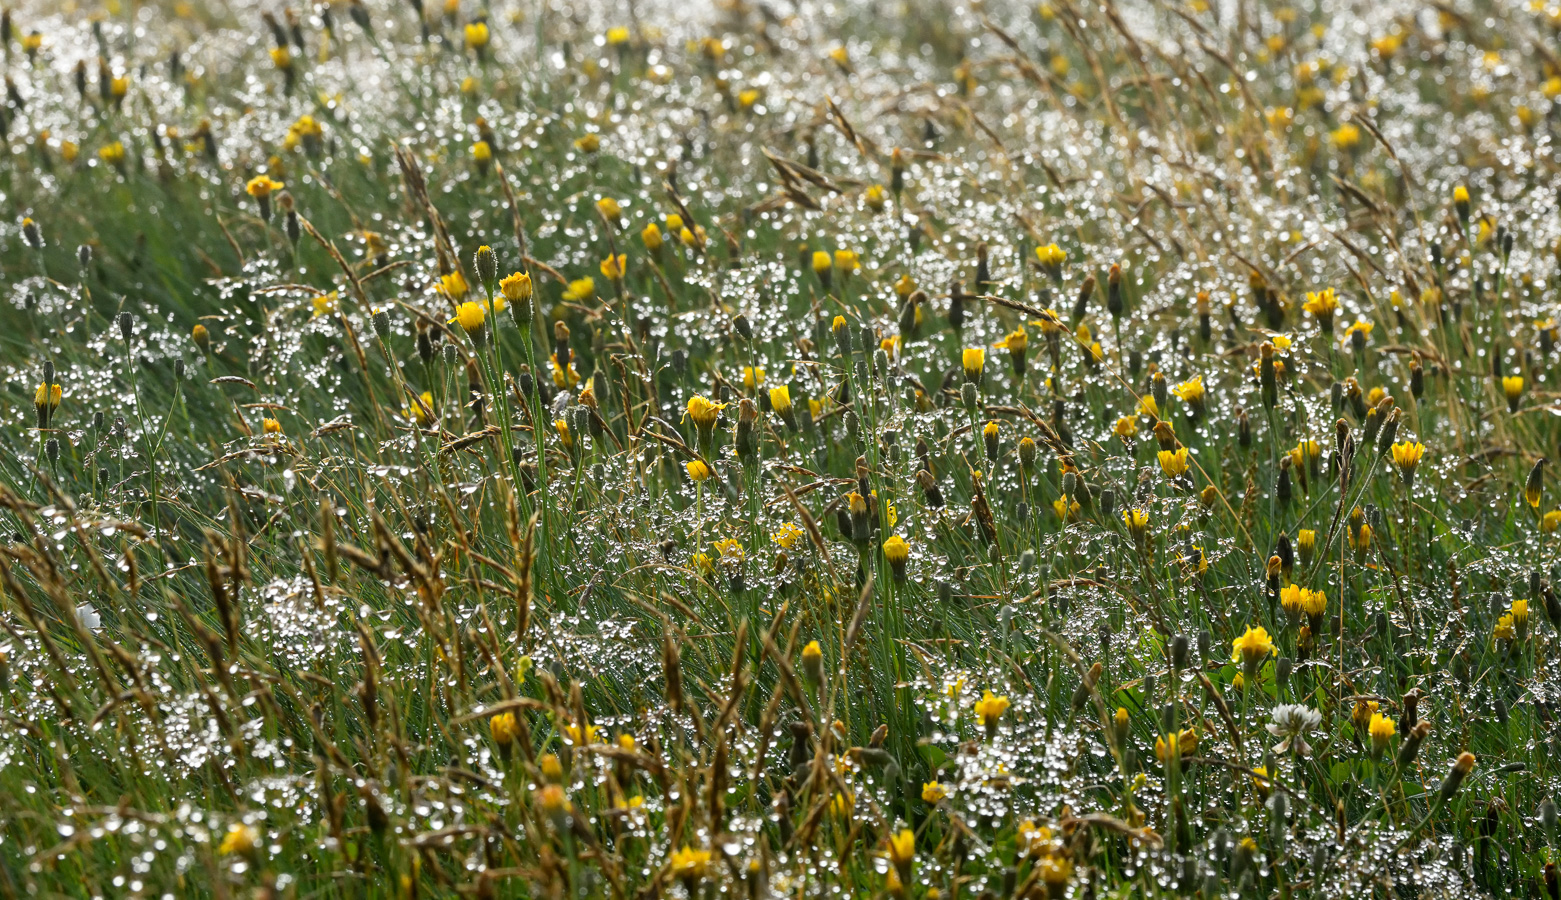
(1174, 462)
(1252, 647)
(503, 728)
(1191, 390)
(753, 376)
(896, 550)
(973, 360)
(698, 471)
(516, 287)
(933, 792)
(564, 377)
(580, 290)
(471, 316)
(651, 237)
(422, 414)
(990, 708)
(240, 839)
(1015, 342)
(1322, 304)
(703, 411)
(613, 267)
(902, 847)
(787, 536)
(453, 286)
(846, 261)
(690, 864)
(1407, 454)
(48, 396)
(262, 186)
(610, 208)
(1512, 386)
(1050, 256)
(477, 36)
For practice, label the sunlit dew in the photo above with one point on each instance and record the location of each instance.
(907, 422)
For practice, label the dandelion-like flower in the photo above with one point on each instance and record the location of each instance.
(690, 864)
(240, 840)
(503, 729)
(990, 709)
(1174, 462)
(973, 361)
(1322, 305)
(473, 320)
(1512, 387)
(477, 36)
(1051, 258)
(1406, 456)
(1251, 648)
(897, 552)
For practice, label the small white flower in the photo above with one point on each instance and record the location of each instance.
(88, 616)
(1292, 721)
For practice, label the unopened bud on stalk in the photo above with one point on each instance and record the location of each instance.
(1114, 302)
(1410, 748)
(1462, 766)
(1266, 375)
(486, 264)
(842, 334)
(1159, 391)
(813, 663)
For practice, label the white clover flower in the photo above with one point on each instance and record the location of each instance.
(1292, 721)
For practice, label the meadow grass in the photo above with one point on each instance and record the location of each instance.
(779, 450)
